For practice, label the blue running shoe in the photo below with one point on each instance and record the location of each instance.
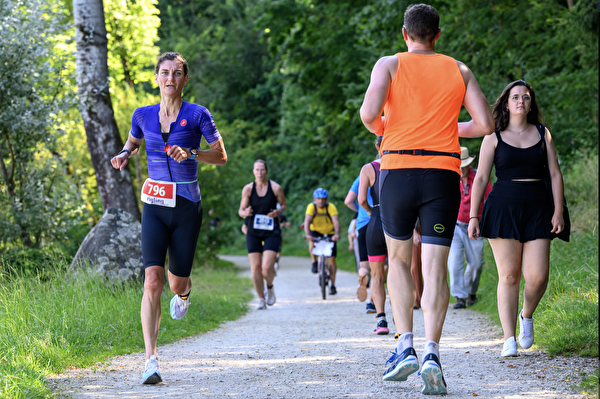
(401, 365)
(371, 307)
(151, 374)
(431, 373)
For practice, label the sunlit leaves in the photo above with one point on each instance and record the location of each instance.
(37, 200)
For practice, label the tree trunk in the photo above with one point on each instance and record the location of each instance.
(96, 108)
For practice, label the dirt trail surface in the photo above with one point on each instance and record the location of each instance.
(307, 347)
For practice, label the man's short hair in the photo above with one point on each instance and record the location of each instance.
(422, 22)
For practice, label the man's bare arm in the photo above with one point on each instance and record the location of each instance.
(482, 122)
(377, 93)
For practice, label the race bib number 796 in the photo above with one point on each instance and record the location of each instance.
(159, 193)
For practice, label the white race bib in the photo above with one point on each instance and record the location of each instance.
(159, 193)
(263, 222)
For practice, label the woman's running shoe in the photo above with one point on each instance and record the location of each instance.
(262, 304)
(270, 297)
(382, 327)
(179, 306)
(151, 374)
(371, 307)
(361, 291)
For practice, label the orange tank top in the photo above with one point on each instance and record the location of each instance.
(421, 112)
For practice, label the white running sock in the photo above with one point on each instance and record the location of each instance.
(404, 341)
(431, 347)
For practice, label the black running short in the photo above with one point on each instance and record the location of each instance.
(433, 195)
(376, 247)
(362, 244)
(260, 244)
(334, 250)
(175, 229)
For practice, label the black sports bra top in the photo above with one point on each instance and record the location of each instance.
(514, 163)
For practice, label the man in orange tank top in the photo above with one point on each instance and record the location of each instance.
(420, 94)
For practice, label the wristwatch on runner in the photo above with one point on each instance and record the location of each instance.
(194, 152)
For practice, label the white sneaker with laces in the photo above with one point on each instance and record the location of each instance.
(151, 374)
(271, 296)
(510, 348)
(526, 331)
(179, 306)
(262, 304)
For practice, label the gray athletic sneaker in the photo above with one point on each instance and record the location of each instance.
(270, 296)
(262, 304)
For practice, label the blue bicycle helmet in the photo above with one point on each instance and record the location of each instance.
(320, 193)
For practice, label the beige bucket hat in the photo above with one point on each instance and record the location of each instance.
(465, 159)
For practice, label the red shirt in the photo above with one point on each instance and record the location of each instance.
(465, 197)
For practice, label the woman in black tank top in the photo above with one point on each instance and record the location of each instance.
(518, 218)
(263, 238)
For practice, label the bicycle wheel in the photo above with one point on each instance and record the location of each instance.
(323, 275)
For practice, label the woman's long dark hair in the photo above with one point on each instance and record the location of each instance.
(501, 114)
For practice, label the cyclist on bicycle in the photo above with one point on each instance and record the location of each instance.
(322, 218)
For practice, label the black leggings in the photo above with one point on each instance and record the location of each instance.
(175, 229)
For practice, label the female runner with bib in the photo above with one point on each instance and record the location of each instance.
(263, 238)
(172, 213)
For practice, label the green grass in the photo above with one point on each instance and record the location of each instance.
(49, 326)
(589, 384)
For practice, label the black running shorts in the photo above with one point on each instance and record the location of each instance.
(175, 229)
(433, 195)
(362, 244)
(261, 244)
(376, 246)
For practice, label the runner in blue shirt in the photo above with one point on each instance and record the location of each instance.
(172, 213)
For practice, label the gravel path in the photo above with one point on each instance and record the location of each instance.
(306, 347)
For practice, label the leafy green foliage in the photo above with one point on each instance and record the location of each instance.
(285, 79)
(131, 30)
(38, 200)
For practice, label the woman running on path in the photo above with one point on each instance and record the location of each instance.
(263, 238)
(172, 213)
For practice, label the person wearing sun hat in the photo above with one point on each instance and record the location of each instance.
(464, 282)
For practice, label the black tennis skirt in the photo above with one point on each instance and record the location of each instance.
(521, 210)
